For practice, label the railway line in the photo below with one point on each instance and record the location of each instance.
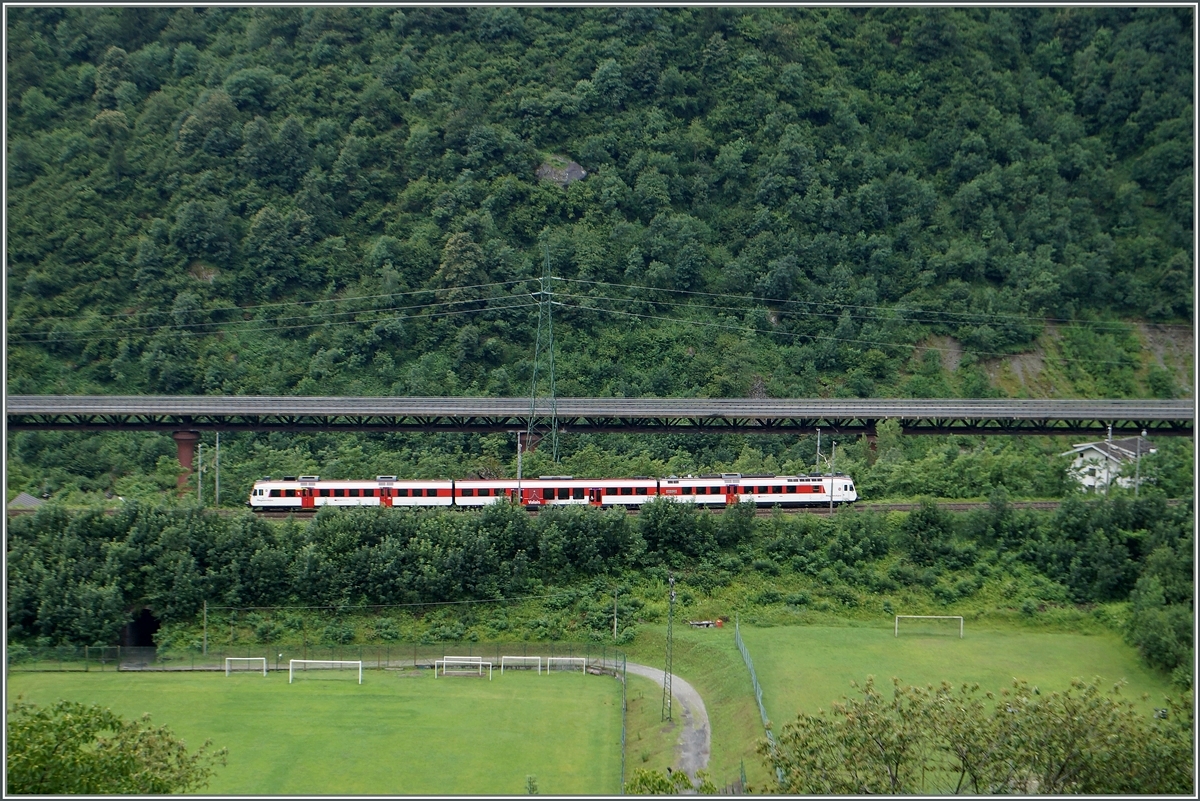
(949, 506)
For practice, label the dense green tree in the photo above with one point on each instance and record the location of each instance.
(69, 748)
(947, 741)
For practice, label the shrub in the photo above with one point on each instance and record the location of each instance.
(338, 633)
(769, 596)
(797, 599)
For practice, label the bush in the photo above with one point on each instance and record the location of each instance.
(338, 634)
(768, 566)
(769, 596)
(385, 629)
(797, 599)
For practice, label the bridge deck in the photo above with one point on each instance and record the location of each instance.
(666, 415)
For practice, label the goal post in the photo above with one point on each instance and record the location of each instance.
(520, 661)
(324, 664)
(569, 663)
(959, 618)
(462, 666)
(229, 660)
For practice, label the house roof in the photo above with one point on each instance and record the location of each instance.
(25, 501)
(1118, 450)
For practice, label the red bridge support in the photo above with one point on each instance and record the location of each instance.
(185, 443)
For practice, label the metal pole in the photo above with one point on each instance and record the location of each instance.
(1137, 475)
(818, 450)
(615, 615)
(832, 474)
(217, 491)
(1108, 462)
(205, 647)
(200, 474)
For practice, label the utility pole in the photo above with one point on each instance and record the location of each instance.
(519, 455)
(818, 450)
(1137, 480)
(832, 473)
(200, 474)
(204, 648)
(615, 591)
(666, 707)
(1108, 463)
(217, 491)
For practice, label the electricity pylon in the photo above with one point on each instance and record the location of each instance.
(543, 417)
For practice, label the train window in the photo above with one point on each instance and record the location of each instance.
(687, 490)
(289, 493)
(776, 490)
(354, 493)
(417, 492)
(577, 493)
(274, 493)
(641, 490)
(564, 493)
(339, 493)
(401, 492)
(626, 490)
(368, 493)
(469, 493)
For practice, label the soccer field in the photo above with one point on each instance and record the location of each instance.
(397, 733)
(803, 668)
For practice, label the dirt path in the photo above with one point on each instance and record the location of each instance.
(695, 741)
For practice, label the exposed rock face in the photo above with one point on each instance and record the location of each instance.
(561, 171)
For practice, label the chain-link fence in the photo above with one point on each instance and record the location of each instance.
(758, 693)
(382, 656)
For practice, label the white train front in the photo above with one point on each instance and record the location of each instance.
(311, 492)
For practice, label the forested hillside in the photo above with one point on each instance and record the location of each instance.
(779, 201)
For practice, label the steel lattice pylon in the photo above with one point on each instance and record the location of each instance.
(543, 422)
(667, 696)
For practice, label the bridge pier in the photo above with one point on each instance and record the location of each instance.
(185, 445)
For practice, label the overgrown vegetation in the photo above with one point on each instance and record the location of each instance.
(74, 577)
(345, 201)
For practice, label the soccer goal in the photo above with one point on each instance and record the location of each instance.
(526, 662)
(230, 665)
(931, 629)
(462, 666)
(321, 664)
(566, 663)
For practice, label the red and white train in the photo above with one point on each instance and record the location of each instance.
(310, 492)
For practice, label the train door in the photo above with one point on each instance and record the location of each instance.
(596, 496)
(731, 494)
(385, 496)
(306, 498)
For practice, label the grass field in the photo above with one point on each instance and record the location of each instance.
(809, 667)
(400, 732)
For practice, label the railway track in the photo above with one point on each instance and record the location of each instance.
(949, 506)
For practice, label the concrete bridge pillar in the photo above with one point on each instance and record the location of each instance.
(185, 443)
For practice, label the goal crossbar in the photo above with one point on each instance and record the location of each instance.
(462, 666)
(566, 660)
(230, 659)
(519, 660)
(326, 662)
(931, 617)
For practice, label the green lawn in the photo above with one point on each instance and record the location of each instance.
(397, 733)
(803, 668)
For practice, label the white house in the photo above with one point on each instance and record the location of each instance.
(1097, 464)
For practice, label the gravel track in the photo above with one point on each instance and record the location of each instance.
(695, 739)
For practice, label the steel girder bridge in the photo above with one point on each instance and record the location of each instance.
(597, 415)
